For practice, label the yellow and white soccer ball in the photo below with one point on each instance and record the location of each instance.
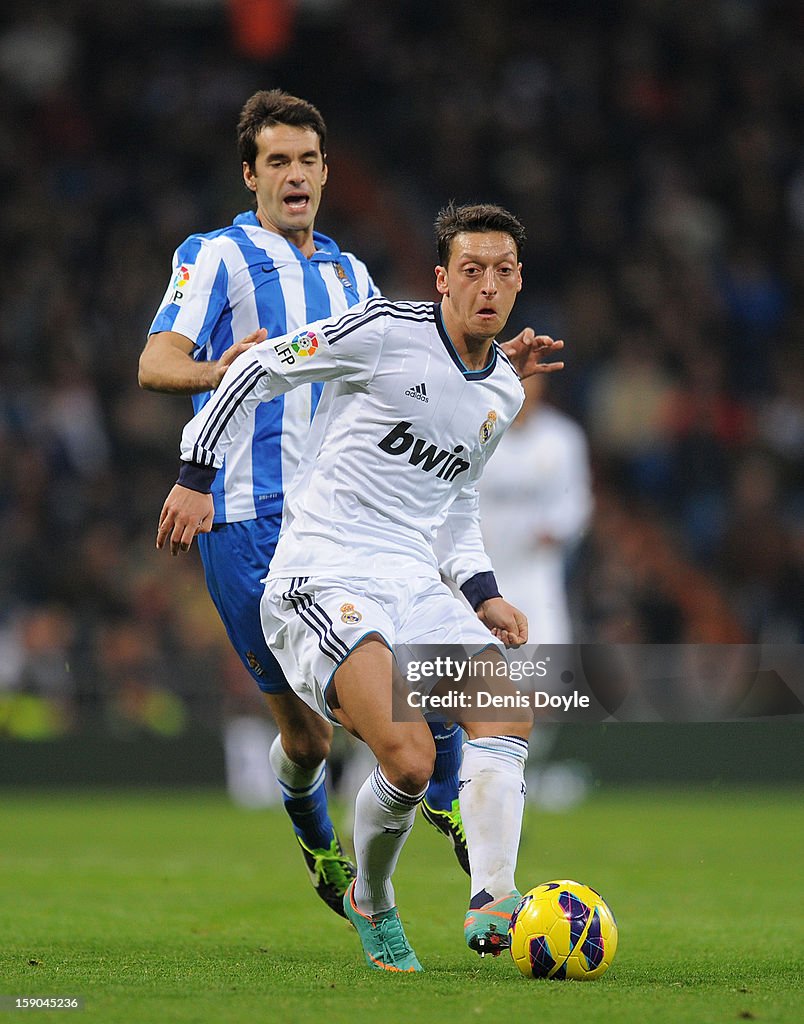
(563, 930)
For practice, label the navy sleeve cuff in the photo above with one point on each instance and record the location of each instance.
(196, 478)
(480, 588)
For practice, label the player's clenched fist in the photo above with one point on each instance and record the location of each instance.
(184, 514)
(505, 621)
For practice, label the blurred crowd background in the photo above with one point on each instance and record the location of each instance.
(654, 151)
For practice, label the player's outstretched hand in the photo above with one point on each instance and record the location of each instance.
(528, 350)
(507, 623)
(184, 514)
(235, 350)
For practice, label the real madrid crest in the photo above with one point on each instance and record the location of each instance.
(350, 614)
(487, 427)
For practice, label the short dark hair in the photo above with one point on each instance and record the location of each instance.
(452, 220)
(270, 107)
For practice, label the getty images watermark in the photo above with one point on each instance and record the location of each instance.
(459, 682)
(601, 682)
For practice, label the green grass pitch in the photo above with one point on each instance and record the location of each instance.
(162, 907)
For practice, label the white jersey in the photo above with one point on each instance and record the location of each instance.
(397, 445)
(535, 503)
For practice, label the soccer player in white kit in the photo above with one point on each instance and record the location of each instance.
(272, 272)
(418, 398)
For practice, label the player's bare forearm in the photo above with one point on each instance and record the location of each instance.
(529, 351)
(505, 621)
(184, 514)
(166, 363)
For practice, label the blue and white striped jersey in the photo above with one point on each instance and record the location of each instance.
(226, 284)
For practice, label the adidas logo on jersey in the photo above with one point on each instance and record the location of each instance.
(419, 392)
(424, 454)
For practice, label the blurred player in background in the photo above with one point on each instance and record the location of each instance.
(537, 490)
(355, 570)
(270, 271)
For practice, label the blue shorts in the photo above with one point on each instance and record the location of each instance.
(235, 558)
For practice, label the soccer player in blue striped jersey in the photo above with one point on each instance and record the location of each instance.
(267, 273)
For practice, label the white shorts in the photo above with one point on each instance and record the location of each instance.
(311, 624)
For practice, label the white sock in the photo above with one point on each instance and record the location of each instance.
(384, 816)
(294, 781)
(492, 800)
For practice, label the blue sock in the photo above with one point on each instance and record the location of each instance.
(304, 794)
(443, 788)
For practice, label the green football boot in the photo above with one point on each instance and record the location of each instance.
(384, 942)
(485, 927)
(330, 871)
(450, 824)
